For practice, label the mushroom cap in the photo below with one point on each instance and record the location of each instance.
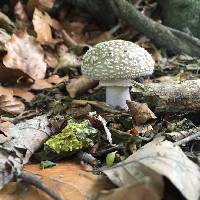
(117, 60)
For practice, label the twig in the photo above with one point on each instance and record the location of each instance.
(34, 180)
(68, 40)
(187, 139)
(119, 147)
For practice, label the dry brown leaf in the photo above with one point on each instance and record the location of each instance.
(42, 27)
(5, 135)
(43, 5)
(51, 58)
(26, 54)
(48, 83)
(41, 84)
(19, 92)
(6, 91)
(131, 192)
(23, 93)
(140, 112)
(14, 76)
(11, 105)
(67, 179)
(80, 85)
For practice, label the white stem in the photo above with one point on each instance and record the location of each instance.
(116, 96)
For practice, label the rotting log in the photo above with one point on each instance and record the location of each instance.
(169, 97)
(162, 36)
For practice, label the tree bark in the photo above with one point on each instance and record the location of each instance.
(172, 97)
(181, 14)
(161, 35)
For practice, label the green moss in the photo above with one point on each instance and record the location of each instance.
(73, 137)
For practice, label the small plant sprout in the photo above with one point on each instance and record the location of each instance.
(114, 63)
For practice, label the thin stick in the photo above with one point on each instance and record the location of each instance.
(34, 180)
(187, 139)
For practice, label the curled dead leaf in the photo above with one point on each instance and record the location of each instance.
(24, 94)
(18, 92)
(24, 53)
(11, 105)
(14, 76)
(80, 85)
(140, 112)
(42, 27)
(48, 83)
(43, 5)
(73, 183)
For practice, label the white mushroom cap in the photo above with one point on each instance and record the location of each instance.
(117, 60)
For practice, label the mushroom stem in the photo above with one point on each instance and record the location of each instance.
(116, 96)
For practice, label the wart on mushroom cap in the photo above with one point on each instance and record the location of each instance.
(115, 63)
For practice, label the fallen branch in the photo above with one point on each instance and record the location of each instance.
(34, 180)
(177, 136)
(169, 97)
(188, 139)
(161, 35)
(77, 48)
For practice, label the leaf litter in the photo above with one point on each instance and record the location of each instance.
(43, 93)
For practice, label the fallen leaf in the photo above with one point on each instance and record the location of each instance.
(48, 83)
(67, 179)
(26, 54)
(11, 105)
(42, 27)
(24, 94)
(140, 112)
(6, 91)
(14, 76)
(170, 161)
(41, 84)
(80, 85)
(43, 5)
(110, 158)
(4, 135)
(51, 58)
(47, 164)
(18, 92)
(140, 191)
(27, 137)
(129, 175)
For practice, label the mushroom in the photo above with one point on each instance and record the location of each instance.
(114, 63)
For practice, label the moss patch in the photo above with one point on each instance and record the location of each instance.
(75, 136)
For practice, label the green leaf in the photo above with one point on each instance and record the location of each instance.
(47, 164)
(110, 158)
